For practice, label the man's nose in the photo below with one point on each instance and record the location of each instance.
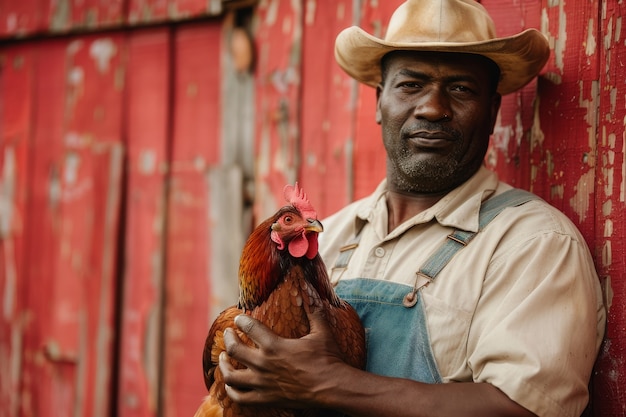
(433, 105)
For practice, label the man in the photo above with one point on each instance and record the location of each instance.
(510, 323)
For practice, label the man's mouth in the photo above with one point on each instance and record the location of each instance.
(430, 140)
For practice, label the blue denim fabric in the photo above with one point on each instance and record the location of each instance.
(397, 337)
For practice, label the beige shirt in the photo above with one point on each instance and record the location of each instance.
(520, 307)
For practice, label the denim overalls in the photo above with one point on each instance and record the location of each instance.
(393, 314)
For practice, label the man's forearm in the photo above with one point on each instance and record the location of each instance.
(363, 394)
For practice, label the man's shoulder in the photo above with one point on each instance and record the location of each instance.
(536, 216)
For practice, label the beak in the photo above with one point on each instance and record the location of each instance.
(314, 226)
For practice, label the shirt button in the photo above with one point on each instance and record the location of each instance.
(380, 252)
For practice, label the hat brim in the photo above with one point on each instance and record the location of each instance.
(520, 57)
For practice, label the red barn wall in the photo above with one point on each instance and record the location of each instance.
(136, 153)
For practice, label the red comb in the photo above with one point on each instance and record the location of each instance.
(297, 198)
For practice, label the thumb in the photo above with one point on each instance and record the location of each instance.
(260, 334)
(318, 320)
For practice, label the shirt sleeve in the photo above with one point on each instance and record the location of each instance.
(538, 324)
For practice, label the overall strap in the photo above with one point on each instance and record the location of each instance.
(455, 241)
(460, 238)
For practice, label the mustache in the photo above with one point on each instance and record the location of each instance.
(431, 127)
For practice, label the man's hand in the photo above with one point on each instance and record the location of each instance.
(308, 372)
(280, 372)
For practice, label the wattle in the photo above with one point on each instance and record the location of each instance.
(304, 246)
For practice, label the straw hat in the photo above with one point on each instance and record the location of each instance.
(444, 26)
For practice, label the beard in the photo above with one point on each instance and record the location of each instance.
(415, 171)
(423, 176)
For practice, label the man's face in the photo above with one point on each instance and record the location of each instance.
(437, 112)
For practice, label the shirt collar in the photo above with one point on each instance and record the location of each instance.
(458, 209)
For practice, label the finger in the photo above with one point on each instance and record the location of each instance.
(236, 348)
(244, 396)
(260, 334)
(232, 376)
(318, 321)
(241, 384)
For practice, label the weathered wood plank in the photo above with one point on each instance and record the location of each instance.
(279, 46)
(148, 128)
(75, 191)
(40, 375)
(328, 99)
(369, 152)
(510, 145)
(609, 397)
(195, 148)
(17, 65)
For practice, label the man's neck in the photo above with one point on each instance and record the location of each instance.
(402, 207)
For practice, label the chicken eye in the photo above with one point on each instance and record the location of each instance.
(288, 219)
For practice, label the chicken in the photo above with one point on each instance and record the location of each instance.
(281, 276)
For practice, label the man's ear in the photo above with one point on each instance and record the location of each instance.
(496, 100)
(379, 89)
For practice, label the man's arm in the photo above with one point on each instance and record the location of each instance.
(308, 372)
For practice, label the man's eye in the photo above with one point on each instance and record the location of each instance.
(462, 89)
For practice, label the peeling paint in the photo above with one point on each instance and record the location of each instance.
(271, 15)
(557, 191)
(583, 189)
(607, 255)
(590, 44)
(591, 116)
(309, 16)
(559, 41)
(608, 35)
(7, 191)
(341, 11)
(7, 212)
(102, 51)
(613, 102)
(147, 162)
(536, 134)
(61, 14)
